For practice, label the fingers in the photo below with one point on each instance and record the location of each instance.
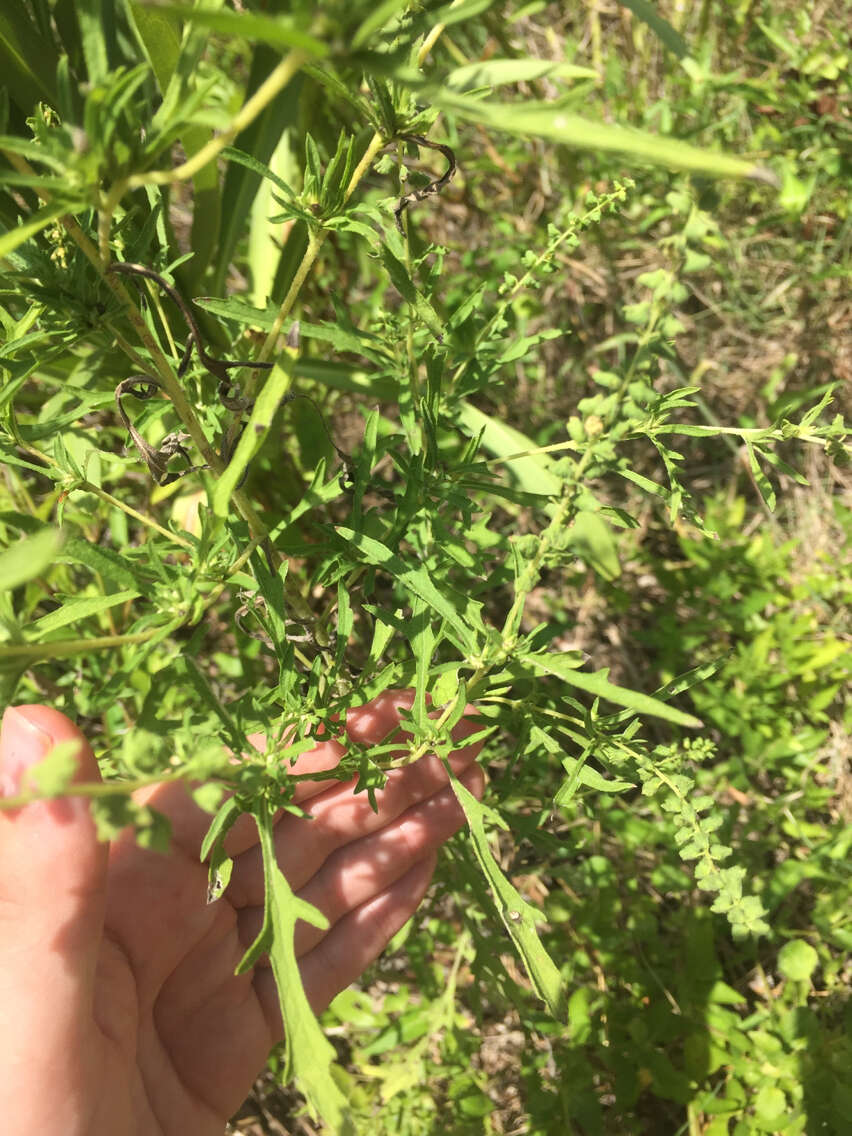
(367, 725)
(52, 877)
(370, 865)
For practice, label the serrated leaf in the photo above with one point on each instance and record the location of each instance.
(415, 580)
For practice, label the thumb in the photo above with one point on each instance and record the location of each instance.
(52, 884)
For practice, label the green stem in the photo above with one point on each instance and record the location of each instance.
(35, 652)
(316, 240)
(275, 82)
(88, 487)
(90, 789)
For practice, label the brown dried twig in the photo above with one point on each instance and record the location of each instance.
(218, 368)
(144, 387)
(434, 186)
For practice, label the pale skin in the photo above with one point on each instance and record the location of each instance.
(120, 1014)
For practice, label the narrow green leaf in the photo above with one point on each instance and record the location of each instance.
(264, 239)
(27, 59)
(456, 13)
(660, 26)
(10, 240)
(530, 470)
(201, 683)
(599, 685)
(519, 916)
(355, 340)
(75, 609)
(259, 140)
(310, 1056)
(346, 377)
(159, 35)
(221, 823)
(109, 564)
(213, 847)
(257, 167)
(678, 685)
(496, 72)
(272, 587)
(410, 293)
(238, 310)
(277, 31)
(545, 120)
(591, 779)
(422, 642)
(382, 13)
(764, 485)
(97, 28)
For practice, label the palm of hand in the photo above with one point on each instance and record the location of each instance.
(148, 1029)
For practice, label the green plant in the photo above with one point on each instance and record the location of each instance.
(406, 550)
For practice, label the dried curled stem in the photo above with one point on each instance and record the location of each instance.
(434, 186)
(144, 387)
(218, 368)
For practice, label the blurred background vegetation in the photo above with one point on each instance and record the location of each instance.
(672, 1026)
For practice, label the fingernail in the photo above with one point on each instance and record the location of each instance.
(22, 745)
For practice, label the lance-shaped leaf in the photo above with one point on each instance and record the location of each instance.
(519, 916)
(72, 610)
(310, 1056)
(551, 121)
(599, 685)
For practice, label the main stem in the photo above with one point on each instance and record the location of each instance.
(316, 239)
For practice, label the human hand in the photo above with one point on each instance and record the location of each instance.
(120, 1014)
